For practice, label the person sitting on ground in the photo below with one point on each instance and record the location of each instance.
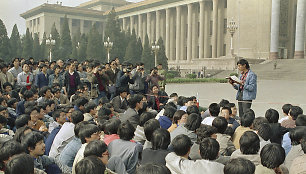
(21, 133)
(166, 120)
(45, 94)
(157, 99)
(286, 108)
(21, 163)
(160, 142)
(277, 130)
(90, 111)
(149, 127)
(90, 165)
(179, 118)
(5, 134)
(214, 110)
(298, 164)
(151, 168)
(226, 112)
(263, 132)
(139, 132)
(120, 102)
(239, 166)
(131, 114)
(294, 112)
(110, 130)
(35, 122)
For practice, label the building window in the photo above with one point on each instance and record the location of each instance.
(224, 50)
(210, 51)
(211, 28)
(75, 22)
(225, 25)
(38, 21)
(225, 3)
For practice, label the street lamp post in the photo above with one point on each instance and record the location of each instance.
(232, 27)
(50, 42)
(108, 46)
(155, 48)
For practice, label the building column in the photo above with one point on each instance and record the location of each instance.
(140, 27)
(274, 29)
(172, 37)
(220, 28)
(215, 28)
(189, 33)
(178, 33)
(158, 29)
(167, 44)
(300, 30)
(183, 34)
(124, 24)
(153, 27)
(206, 30)
(131, 24)
(149, 26)
(195, 30)
(201, 28)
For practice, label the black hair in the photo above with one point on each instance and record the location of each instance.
(56, 114)
(249, 143)
(173, 95)
(9, 149)
(19, 135)
(96, 148)
(247, 118)
(209, 149)
(90, 106)
(160, 139)
(43, 90)
(151, 168)
(111, 126)
(2, 108)
(144, 117)
(272, 155)
(7, 84)
(169, 111)
(90, 165)
(180, 100)
(301, 120)
(258, 121)
(177, 116)
(76, 117)
(134, 99)
(126, 131)
(220, 124)
(193, 122)
(30, 109)
(192, 109)
(181, 144)
(122, 90)
(223, 103)
(286, 108)
(297, 134)
(81, 102)
(22, 120)
(244, 62)
(103, 100)
(227, 107)
(295, 111)
(78, 127)
(46, 103)
(239, 166)
(87, 131)
(28, 94)
(149, 127)
(205, 131)
(272, 115)
(11, 102)
(214, 109)
(303, 144)
(21, 163)
(31, 139)
(104, 111)
(264, 131)
(3, 120)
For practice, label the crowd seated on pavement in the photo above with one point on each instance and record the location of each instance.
(88, 117)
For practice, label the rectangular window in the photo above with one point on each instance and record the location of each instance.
(224, 50)
(210, 51)
(225, 25)
(38, 20)
(225, 3)
(211, 28)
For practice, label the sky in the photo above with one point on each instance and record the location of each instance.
(10, 11)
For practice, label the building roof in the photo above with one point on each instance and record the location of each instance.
(57, 8)
(93, 3)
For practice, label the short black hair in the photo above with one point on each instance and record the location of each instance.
(43, 90)
(227, 107)
(81, 102)
(160, 139)
(214, 109)
(9, 149)
(149, 127)
(286, 108)
(76, 117)
(96, 148)
(258, 121)
(3, 120)
(244, 62)
(30, 109)
(249, 143)
(144, 117)
(90, 165)
(31, 139)
(78, 127)
(111, 126)
(169, 111)
(220, 123)
(177, 116)
(264, 131)
(19, 135)
(192, 109)
(303, 144)
(11, 102)
(205, 131)
(301, 120)
(22, 120)
(223, 103)
(193, 122)
(247, 118)
(90, 106)
(295, 111)
(87, 131)
(126, 131)
(173, 95)
(297, 134)
(21, 163)
(56, 114)
(152, 168)
(181, 144)
(28, 94)
(272, 155)
(239, 166)
(209, 149)
(134, 99)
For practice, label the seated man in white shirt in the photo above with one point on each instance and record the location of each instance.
(214, 110)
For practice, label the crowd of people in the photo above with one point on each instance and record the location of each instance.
(93, 118)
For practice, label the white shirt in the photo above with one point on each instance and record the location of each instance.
(208, 120)
(285, 118)
(79, 156)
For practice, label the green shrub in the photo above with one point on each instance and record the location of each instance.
(170, 75)
(175, 73)
(196, 80)
(234, 74)
(191, 76)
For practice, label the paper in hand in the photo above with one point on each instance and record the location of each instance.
(234, 78)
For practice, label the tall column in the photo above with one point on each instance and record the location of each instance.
(274, 29)
(201, 35)
(189, 33)
(183, 34)
(300, 30)
(153, 27)
(172, 37)
(206, 30)
(167, 32)
(144, 26)
(220, 28)
(131, 24)
(178, 33)
(158, 29)
(124, 24)
(149, 26)
(140, 27)
(215, 28)
(195, 30)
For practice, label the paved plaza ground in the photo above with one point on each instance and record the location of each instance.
(270, 94)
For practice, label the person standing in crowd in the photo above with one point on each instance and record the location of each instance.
(124, 78)
(42, 78)
(6, 76)
(247, 87)
(102, 80)
(56, 77)
(16, 69)
(154, 78)
(139, 76)
(71, 80)
(25, 78)
(162, 72)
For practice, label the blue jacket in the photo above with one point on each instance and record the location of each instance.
(41, 80)
(250, 87)
(49, 140)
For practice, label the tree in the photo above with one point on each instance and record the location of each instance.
(138, 49)
(83, 47)
(94, 47)
(27, 43)
(44, 48)
(130, 53)
(66, 44)
(4, 42)
(147, 56)
(15, 43)
(161, 54)
(76, 45)
(36, 47)
(56, 48)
